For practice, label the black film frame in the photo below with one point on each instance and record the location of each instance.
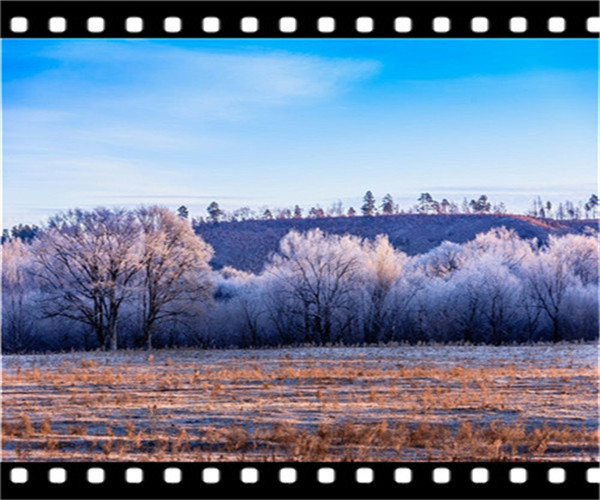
(306, 13)
(269, 486)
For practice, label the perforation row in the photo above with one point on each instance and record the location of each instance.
(288, 475)
(326, 25)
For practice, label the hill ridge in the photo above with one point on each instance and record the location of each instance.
(246, 245)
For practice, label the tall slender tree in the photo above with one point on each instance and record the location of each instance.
(368, 207)
(387, 205)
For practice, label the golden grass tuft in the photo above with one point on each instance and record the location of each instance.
(283, 407)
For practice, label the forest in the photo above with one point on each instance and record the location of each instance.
(142, 278)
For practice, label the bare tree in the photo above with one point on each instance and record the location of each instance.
(174, 270)
(87, 262)
(16, 286)
(382, 267)
(319, 271)
(549, 279)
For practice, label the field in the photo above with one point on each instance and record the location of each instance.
(391, 403)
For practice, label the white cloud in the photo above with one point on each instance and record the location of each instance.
(121, 117)
(175, 80)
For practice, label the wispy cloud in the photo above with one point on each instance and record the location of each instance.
(101, 119)
(108, 121)
(210, 84)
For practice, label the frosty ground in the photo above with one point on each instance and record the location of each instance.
(429, 402)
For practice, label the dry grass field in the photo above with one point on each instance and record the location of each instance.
(317, 404)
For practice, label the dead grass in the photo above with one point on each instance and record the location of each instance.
(282, 406)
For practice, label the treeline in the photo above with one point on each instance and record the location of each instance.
(115, 279)
(426, 204)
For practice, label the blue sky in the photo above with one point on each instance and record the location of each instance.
(280, 122)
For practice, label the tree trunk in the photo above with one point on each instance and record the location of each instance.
(112, 331)
(148, 339)
(555, 330)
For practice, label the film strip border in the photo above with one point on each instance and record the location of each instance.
(300, 480)
(300, 19)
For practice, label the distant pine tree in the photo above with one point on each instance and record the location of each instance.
(214, 212)
(368, 207)
(591, 206)
(426, 204)
(183, 212)
(387, 205)
(481, 205)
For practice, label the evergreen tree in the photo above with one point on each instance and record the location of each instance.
(214, 212)
(387, 205)
(5, 235)
(24, 232)
(368, 207)
(426, 204)
(183, 212)
(591, 206)
(297, 212)
(481, 205)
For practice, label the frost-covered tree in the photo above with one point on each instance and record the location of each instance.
(143, 274)
(498, 290)
(549, 278)
(581, 254)
(381, 267)
(86, 262)
(443, 259)
(505, 245)
(17, 287)
(239, 315)
(318, 272)
(173, 269)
